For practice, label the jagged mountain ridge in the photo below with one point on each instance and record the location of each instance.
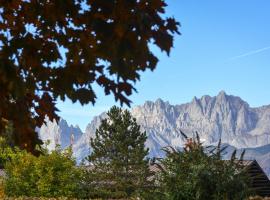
(58, 133)
(224, 117)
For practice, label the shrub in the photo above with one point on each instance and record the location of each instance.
(198, 174)
(49, 175)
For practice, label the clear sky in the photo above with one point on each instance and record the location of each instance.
(225, 45)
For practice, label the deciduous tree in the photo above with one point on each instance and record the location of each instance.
(52, 49)
(49, 175)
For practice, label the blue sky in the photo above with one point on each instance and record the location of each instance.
(225, 45)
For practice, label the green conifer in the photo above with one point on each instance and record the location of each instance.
(120, 168)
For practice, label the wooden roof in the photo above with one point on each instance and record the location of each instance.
(259, 180)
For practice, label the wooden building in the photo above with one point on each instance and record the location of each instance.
(260, 183)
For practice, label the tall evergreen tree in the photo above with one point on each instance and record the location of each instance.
(120, 167)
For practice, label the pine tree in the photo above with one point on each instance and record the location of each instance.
(120, 167)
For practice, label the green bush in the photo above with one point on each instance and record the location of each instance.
(199, 174)
(49, 175)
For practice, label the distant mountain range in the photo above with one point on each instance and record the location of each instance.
(224, 117)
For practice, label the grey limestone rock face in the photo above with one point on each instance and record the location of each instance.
(224, 117)
(59, 133)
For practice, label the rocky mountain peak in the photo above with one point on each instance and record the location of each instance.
(222, 94)
(58, 133)
(159, 101)
(224, 117)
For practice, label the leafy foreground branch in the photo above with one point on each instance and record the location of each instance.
(62, 49)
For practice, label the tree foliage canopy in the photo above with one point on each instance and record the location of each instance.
(120, 168)
(199, 173)
(49, 175)
(53, 49)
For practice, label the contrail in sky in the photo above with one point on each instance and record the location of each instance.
(250, 53)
